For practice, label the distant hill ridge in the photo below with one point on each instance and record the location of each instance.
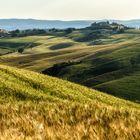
(12, 24)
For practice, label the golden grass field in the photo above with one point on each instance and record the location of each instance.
(38, 107)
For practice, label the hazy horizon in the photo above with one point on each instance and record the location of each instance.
(70, 9)
(65, 19)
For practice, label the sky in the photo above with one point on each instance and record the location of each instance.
(70, 9)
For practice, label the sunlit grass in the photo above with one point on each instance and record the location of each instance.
(34, 106)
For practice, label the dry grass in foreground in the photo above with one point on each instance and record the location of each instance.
(38, 107)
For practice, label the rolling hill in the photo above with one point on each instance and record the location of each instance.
(35, 106)
(102, 58)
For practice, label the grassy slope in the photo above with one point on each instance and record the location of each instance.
(42, 107)
(103, 66)
(127, 87)
(43, 55)
(12, 44)
(110, 69)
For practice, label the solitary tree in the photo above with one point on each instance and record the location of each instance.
(20, 50)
